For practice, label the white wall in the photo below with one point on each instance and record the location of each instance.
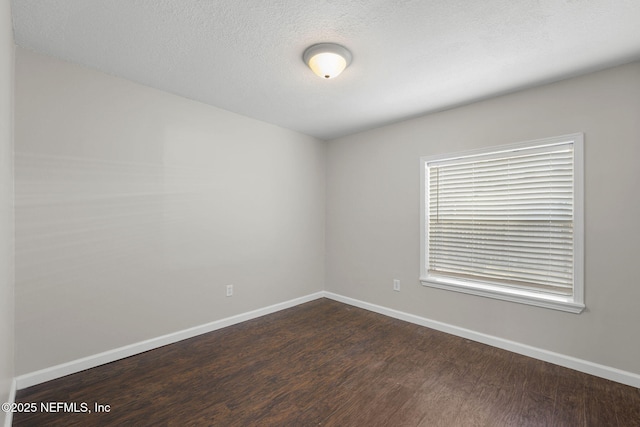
(6, 204)
(134, 209)
(373, 214)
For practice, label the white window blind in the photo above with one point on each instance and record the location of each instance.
(504, 218)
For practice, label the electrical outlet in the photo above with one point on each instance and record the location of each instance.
(229, 290)
(396, 285)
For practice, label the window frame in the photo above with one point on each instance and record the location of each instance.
(573, 303)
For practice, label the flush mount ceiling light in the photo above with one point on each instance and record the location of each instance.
(327, 60)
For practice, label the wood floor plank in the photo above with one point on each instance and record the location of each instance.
(570, 400)
(627, 407)
(327, 363)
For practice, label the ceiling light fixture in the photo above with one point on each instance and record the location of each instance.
(327, 60)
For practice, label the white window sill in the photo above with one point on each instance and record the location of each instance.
(555, 302)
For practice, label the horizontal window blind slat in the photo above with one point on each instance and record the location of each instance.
(547, 274)
(488, 185)
(500, 233)
(530, 264)
(558, 255)
(564, 163)
(497, 244)
(560, 234)
(528, 208)
(445, 175)
(531, 276)
(473, 243)
(494, 175)
(564, 241)
(553, 288)
(497, 273)
(506, 217)
(534, 253)
(504, 157)
(505, 194)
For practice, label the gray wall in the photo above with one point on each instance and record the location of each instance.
(6, 203)
(134, 209)
(373, 213)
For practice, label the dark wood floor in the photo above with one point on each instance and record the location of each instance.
(326, 363)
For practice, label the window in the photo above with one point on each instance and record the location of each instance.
(506, 222)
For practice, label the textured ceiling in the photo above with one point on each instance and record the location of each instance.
(410, 57)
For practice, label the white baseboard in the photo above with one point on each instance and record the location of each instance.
(8, 416)
(47, 374)
(41, 376)
(607, 372)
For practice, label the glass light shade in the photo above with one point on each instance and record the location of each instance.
(327, 60)
(327, 65)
